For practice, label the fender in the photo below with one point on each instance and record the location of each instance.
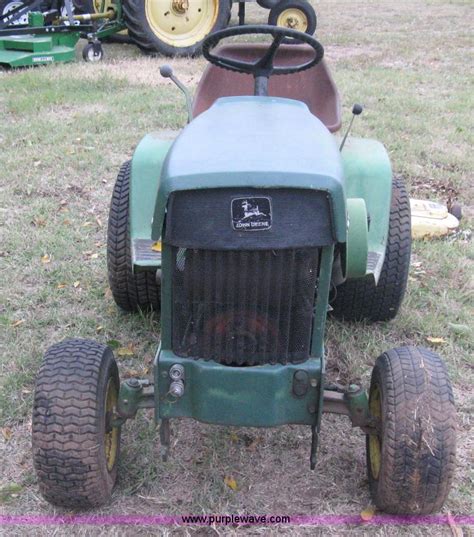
(368, 175)
(147, 162)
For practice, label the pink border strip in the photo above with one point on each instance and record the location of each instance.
(168, 520)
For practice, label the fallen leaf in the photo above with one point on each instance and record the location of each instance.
(25, 391)
(368, 513)
(76, 284)
(435, 340)
(99, 328)
(94, 256)
(46, 258)
(98, 221)
(156, 246)
(7, 433)
(61, 285)
(131, 373)
(39, 222)
(126, 351)
(230, 482)
(14, 324)
(254, 443)
(67, 222)
(87, 224)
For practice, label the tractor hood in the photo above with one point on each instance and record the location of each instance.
(254, 142)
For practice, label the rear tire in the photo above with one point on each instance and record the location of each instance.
(361, 298)
(131, 291)
(151, 32)
(75, 447)
(411, 460)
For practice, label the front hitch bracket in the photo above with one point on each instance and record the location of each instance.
(350, 401)
(134, 394)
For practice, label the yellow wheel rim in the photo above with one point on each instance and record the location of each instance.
(181, 23)
(293, 18)
(101, 6)
(375, 444)
(112, 436)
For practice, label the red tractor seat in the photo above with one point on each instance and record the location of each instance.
(315, 86)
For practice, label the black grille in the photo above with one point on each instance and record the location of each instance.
(244, 307)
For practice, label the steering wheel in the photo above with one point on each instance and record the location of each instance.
(263, 68)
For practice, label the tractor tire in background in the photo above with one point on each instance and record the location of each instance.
(294, 14)
(174, 27)
(9, 5)
(80, 6)
(131, 292)
(75, 446)
(363, 299)
(411, 458)
(267, 4)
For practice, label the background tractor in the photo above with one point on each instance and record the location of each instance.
(245, 231)
(168, 27)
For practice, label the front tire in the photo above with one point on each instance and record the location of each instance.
(161, 26)
(75, 447)
(411, 459)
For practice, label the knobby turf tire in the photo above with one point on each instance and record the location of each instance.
(131, 292)
(361, 298)
(145, 38)
(418, 432)
(68, 425)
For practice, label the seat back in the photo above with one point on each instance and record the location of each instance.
(315, 86)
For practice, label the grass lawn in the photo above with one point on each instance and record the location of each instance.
(64, 132)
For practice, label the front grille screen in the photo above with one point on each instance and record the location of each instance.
(244, 307)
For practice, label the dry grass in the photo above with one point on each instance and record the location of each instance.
(66, 129)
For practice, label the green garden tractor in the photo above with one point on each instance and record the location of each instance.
(245, 232)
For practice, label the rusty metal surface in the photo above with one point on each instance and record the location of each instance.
(315, 87)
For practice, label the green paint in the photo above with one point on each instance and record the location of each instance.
(320, 313)
(357, 238)
(51, 43)
(369, 176)
(26, 51)
(146, 170)
(262, 154)
(259, 396)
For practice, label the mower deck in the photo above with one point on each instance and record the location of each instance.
(28, 50)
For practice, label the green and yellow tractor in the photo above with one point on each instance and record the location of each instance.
(35, 32)
(245, 232)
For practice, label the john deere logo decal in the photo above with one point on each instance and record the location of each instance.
(251, 214)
